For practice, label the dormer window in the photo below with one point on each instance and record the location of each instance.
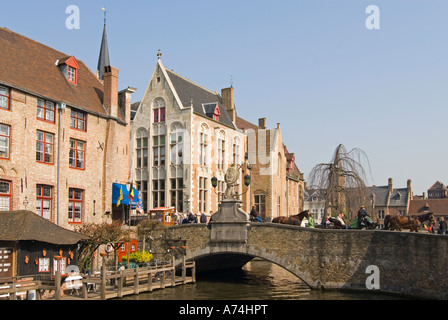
(212, 110)
(69, 67)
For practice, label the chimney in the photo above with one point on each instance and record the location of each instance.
(228, 99)
(110, 99)
(262, 123)
(390, 185)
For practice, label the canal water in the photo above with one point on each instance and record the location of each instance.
(257, 280)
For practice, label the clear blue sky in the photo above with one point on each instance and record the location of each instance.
(310, 65)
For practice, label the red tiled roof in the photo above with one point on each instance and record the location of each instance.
(437, 206)
(244, 125)
(33, 67)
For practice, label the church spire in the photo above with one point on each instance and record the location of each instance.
(103, 59)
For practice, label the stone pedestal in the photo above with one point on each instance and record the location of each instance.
(230, 223)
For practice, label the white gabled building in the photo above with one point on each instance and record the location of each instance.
(182, 135)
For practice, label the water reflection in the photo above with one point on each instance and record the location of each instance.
(257, 280)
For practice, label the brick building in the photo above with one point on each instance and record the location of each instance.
(439, 207)
(438, 191)
(277, 183)
(184, 134)
(64, 134)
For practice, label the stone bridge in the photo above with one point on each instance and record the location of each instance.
(411, 264)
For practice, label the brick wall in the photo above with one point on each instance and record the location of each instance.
(106, 159)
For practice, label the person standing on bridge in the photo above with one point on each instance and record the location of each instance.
(203, 217)
(442, 225)
(311, 222)
(192, 218)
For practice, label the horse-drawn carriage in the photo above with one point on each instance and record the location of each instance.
(407, 222)
(163, 214)
(295, 220)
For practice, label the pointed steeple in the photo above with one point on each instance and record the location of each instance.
(103, 59)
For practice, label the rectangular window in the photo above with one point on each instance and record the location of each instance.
(75, 205)
(159, 115)
(4, 141)
(221, 186)
(380, 214)
(5, 195)
(177, 148)
(77, 154)
(44, 147)
(45, 110)
(202, 194)
(142, 152)
(177, 194)
(158, 193)
(71, 74)
(44, 201)
(260, 204)
(44, 265)
(221, 153)
(203, 149)
(159, 151)
(142, 187)
(4, 98)
(162, 114)
(236, 153)
(78, 120)
(60, 265)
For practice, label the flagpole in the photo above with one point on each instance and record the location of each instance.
(131, 197)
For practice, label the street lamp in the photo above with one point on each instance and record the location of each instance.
(214, 182)
(247, 180)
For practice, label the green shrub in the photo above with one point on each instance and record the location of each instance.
(138, 257)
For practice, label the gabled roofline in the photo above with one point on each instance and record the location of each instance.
(173, 90)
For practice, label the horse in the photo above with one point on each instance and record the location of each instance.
(401, 222)
(425, 217)
(295, 220)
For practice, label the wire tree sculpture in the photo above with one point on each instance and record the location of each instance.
(342, 181)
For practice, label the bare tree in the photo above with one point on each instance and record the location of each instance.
(145, 229)
(342, 180)
(98, 235)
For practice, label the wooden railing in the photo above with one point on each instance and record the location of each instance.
(14, 287)
(140, 279)
(110, 284)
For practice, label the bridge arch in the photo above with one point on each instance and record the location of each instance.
(214, 258)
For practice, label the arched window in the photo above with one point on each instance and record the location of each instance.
(159, 110)
(141, 139)
(203, 144)
(177, 143)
